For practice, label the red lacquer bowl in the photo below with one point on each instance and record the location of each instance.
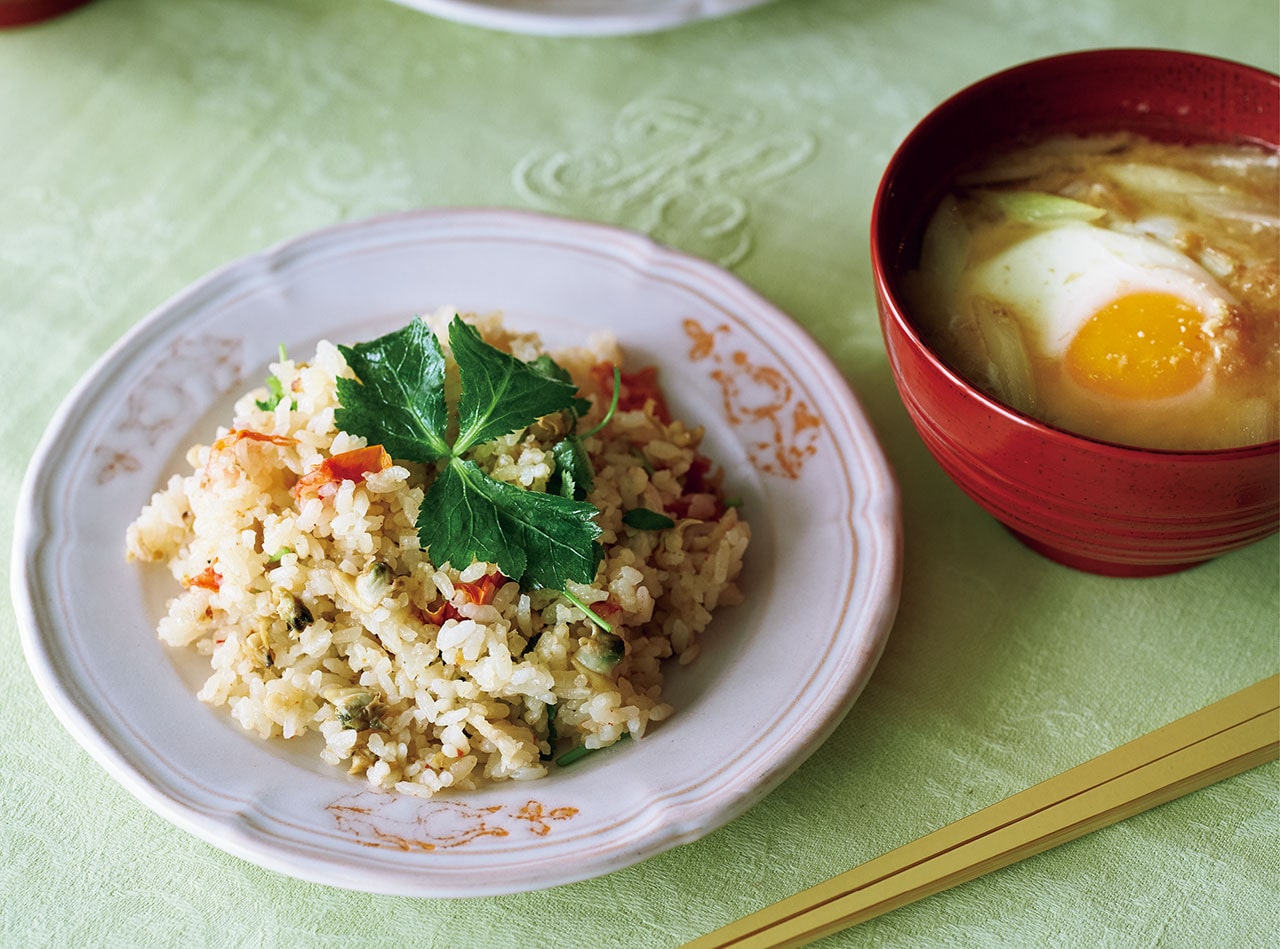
(1099, 507)
(26, 12)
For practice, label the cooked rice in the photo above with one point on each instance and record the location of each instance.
(305, 632)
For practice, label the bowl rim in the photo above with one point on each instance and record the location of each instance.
(892, 306)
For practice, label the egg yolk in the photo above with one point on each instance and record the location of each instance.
(1142, 346)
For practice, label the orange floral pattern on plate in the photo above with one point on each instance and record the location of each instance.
(782, 429)
(191, 371)
(401, 822)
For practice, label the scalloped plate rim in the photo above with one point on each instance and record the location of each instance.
(683, 823)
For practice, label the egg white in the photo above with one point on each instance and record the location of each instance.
(1056, 279)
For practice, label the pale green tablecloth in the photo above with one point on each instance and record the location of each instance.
(144, 142)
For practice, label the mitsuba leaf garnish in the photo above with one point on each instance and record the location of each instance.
(544, 365)
(398, 399)
(643, 519)
(543, 540)
(500, 393)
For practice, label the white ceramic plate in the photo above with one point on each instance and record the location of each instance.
(580, 17)
(776, 675)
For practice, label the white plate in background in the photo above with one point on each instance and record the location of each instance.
(580, 17)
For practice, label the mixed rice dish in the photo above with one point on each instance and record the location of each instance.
(305, 579)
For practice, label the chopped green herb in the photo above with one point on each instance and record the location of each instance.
(590, 613)
(581, 751)
(278, 556)
(552, 737)
(574, 477)
(398, 400)
(275, 391)
(643, 519)
(574, 754)
(734, 501)
(613, 405)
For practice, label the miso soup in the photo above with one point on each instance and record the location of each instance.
(1117, 287)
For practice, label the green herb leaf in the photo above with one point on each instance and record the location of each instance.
(543, 539)
(574, 476)
(552, 738)
(589, 613)
(581, 751)
(643, 519)
(398, 399)
(547, 367)
(613, 404)
(500, 394)
(275, 390)
(574, 754)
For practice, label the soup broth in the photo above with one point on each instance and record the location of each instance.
(1117, 287)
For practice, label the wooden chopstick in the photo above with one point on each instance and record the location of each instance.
(1233, 735)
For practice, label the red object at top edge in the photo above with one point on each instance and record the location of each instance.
(27, 12)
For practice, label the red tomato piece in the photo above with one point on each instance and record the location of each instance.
(638, 388)
(206, 579)
(354, 465)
